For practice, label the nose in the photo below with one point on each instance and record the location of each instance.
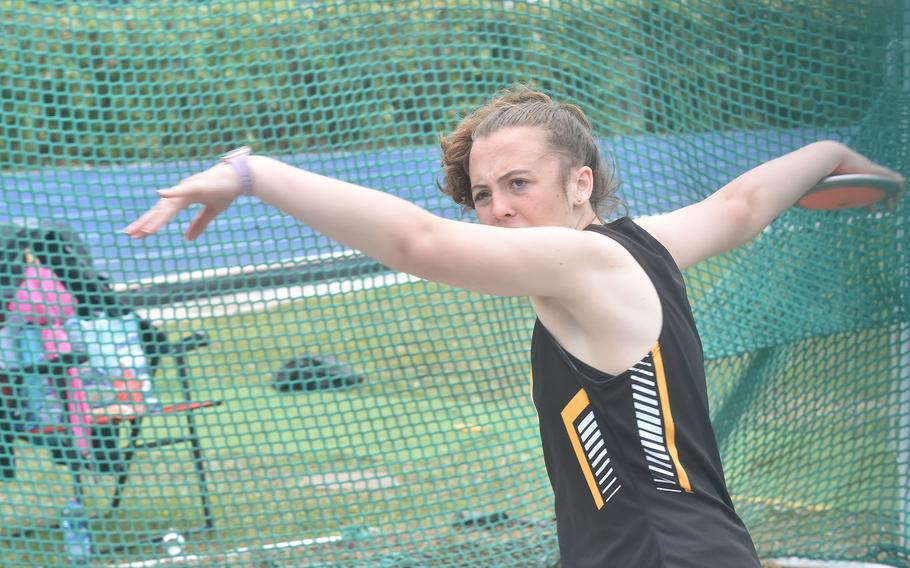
(502, 208)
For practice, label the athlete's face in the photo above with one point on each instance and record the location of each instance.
(518, 181)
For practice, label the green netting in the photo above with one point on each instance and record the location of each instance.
(403, 433)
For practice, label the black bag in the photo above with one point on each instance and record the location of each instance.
(312, 373)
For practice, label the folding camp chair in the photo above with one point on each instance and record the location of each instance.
(60, 251)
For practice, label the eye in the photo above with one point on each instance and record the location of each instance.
(481, 196)
(519, 183)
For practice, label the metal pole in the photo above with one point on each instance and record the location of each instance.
(902, 358)
(902, 348)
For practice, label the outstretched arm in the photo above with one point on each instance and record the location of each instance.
(740, 210)
(544, 261)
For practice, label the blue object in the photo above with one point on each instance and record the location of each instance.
(42, 406)
(77, 541)
(115, 351)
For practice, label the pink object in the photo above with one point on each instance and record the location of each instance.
(43, 300)
(41, 297)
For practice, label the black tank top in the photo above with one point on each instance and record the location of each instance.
(632, 458)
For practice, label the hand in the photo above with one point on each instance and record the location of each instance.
(215, 189)
(891, 203)
(855, 163)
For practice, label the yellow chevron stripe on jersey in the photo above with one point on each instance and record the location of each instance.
(569, 414)
(669, 428)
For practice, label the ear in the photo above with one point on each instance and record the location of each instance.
(582, 185)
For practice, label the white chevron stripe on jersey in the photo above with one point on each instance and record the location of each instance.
(598, 457)
(590, 450)
(651, 427)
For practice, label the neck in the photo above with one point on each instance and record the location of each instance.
(589, 219)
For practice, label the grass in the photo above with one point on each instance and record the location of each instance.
(446, 431)
(444, 423)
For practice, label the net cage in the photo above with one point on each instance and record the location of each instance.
(290, 402)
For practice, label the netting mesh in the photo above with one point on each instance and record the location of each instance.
(294, 403)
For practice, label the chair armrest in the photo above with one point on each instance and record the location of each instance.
(183, 407)
(195, 340)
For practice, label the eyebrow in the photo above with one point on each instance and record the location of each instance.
(502, 177)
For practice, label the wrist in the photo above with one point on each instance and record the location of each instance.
(823, 158)
(239, 160)
(838, 150)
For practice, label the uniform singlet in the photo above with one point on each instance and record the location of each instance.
(632, 458)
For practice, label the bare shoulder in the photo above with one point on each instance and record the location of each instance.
(610, 318)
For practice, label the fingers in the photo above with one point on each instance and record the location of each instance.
(215, 188)
(171, 201)
(155, 218)
(138, 228)
(133, 228)
(200, 222)
(891, 204)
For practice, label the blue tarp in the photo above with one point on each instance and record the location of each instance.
(657, 173)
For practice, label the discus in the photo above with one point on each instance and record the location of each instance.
(847, 191)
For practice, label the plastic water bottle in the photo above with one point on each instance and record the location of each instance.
(76, 539)
(173, 542)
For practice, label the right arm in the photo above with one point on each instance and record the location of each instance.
(739, 211)
(544, 261)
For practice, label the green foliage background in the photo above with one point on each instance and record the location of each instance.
(161, 80)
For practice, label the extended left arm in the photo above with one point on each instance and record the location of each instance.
(740, 210)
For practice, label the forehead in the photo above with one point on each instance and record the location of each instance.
(517, 147)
